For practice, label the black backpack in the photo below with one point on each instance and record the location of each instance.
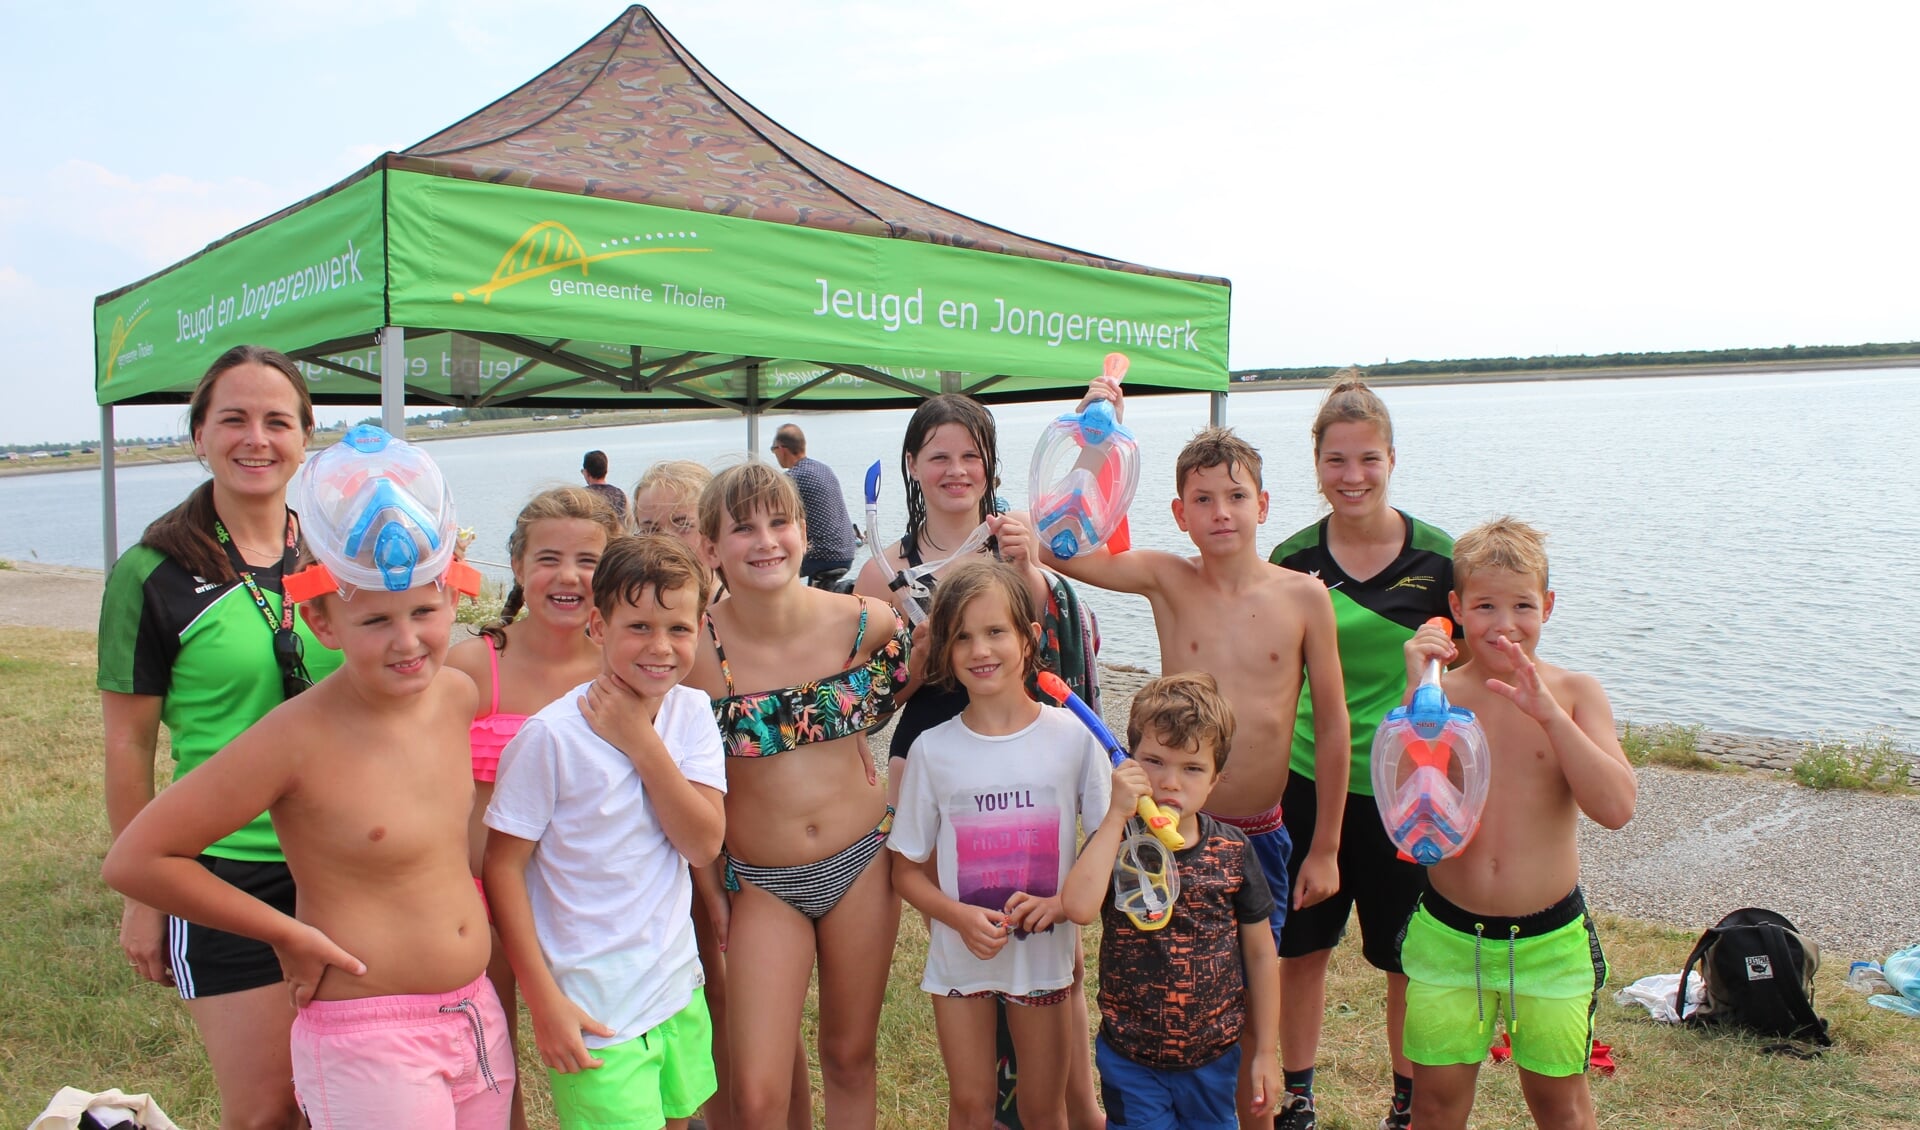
(1758, 972)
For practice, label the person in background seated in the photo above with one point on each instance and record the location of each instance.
(829, 531)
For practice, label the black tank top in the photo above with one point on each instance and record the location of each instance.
(929, 706)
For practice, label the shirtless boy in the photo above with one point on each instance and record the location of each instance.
(368, 778)
(1512, 897)
(1255, 627)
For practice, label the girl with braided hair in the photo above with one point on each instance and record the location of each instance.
(556, 543)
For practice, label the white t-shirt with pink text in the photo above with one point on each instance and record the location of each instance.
(1001, 814)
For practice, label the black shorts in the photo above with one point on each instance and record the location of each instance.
(210, 963)
(1373, 878)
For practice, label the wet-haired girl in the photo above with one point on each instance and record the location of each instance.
(988, 829)
(521, 663)
(798, 676)
(1388, 573)
(949, 460)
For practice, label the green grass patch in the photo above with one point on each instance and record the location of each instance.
(1667, 744)
(1872, 762)
(485, 608)
(71, 1012)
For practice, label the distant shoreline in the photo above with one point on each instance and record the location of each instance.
(180, 453)
(67, 597)
(632, 417)
(1607, 373)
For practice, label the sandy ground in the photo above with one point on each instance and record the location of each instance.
(50, 596)
(1842, 865)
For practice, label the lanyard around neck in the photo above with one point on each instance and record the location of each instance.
(289, 558)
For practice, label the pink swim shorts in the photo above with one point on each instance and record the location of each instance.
(432, 1061)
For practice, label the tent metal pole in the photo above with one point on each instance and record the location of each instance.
(753, 411)
(393, 380)
(1217, 409)
(109, 504)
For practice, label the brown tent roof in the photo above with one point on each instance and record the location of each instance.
(632, 115)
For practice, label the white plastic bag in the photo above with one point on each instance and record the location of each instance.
(1902, 971)
(107, 1107)
(1655, 994)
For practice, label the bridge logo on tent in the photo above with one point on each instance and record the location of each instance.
(551, 246)
(117, 341)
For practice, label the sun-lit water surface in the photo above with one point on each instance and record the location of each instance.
(1736, 551)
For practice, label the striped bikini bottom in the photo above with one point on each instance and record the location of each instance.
(815, 888)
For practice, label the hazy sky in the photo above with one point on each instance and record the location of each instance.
(1379, 180)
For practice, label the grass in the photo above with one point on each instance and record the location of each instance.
(485, 608)
(1871, 762)
(71, 1014)
(1668, 744)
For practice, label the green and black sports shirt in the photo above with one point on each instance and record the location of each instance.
(205, 650)
(1374, 619)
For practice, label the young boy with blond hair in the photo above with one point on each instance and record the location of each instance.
(1175, 999)
(603, 800)
(368, 778)
(1505, 929)
(1258, 629)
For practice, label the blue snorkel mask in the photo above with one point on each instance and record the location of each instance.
(375, 513)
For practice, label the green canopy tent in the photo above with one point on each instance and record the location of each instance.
(626, 230)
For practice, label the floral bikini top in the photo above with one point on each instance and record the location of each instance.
(858, 699)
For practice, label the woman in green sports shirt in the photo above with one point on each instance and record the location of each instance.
(194, 636)
(1388, 573)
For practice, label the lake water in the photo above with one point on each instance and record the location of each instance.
(1737, 551)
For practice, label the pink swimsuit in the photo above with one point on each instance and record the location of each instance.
(488, 735)
(491, 732)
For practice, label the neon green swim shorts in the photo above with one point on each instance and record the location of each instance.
(641, 1083)
(1542, 972)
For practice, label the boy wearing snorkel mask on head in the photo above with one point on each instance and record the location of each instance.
(368, 780)
(1480, 945)
(1178, 988)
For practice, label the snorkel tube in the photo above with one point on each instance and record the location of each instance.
(873, 513)
(1164, 827)
(913, 580)
(1146, 878)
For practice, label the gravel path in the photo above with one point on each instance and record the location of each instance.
(1845, 866)
(1842, 865)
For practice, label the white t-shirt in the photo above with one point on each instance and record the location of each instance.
(999, 813)
(611, 897)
